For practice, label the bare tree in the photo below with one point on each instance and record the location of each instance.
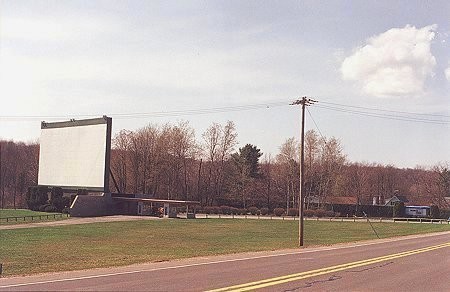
(182, 148)
(332, 160)
(288, 157)
(120, 158)
(211, 138)
(267, 171)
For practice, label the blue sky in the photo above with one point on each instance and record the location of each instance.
(72, 58)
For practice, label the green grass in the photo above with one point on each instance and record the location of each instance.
(19, 212)
(62, 248)
(23, 216)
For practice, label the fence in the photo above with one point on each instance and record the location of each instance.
(329, 219)
(33, 217)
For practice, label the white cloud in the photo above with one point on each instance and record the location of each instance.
(447, 73)
(394, 63)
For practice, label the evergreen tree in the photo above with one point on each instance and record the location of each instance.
(246, 163)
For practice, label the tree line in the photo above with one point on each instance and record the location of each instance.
(18, 170)
(170, 162)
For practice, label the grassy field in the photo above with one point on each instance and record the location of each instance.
(19, 212)
(36, 250)
(5, 213)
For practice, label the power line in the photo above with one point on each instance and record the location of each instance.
(384, 110)
(188, 112)
(350, 109)
(317, 127)
(385, 116)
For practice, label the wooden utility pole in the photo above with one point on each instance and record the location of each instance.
(304, 102)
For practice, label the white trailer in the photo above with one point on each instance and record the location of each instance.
(417, 211)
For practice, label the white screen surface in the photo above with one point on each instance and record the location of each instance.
(73, 157)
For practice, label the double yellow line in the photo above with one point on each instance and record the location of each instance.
(308, 274)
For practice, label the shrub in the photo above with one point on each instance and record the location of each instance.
(213, 209)
(278, 211)
(66, 210)
(225, 210)
(293, 212)
(36, 197)
(57, 200)
(208, 210)
(398, 209)
(329, 214)
(242, 211)
(309, 213)
(264, 211)
(253, 210)
(320, 213)
(445, 214)
(434, 212)
(234, 210)
(43, 207)
(50, 208)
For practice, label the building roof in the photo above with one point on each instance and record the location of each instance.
(174, 202)
(396, 198)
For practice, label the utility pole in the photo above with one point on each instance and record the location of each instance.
(304, 102)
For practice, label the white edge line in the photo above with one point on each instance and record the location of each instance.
(213, 262)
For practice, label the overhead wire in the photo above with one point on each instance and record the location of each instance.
(317, 127)
(385, 115)
(383, 110)
(349, 109)
(175, 113)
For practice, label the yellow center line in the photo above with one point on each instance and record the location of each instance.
(303, 275)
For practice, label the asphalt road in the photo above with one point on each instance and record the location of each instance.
(414, 263)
